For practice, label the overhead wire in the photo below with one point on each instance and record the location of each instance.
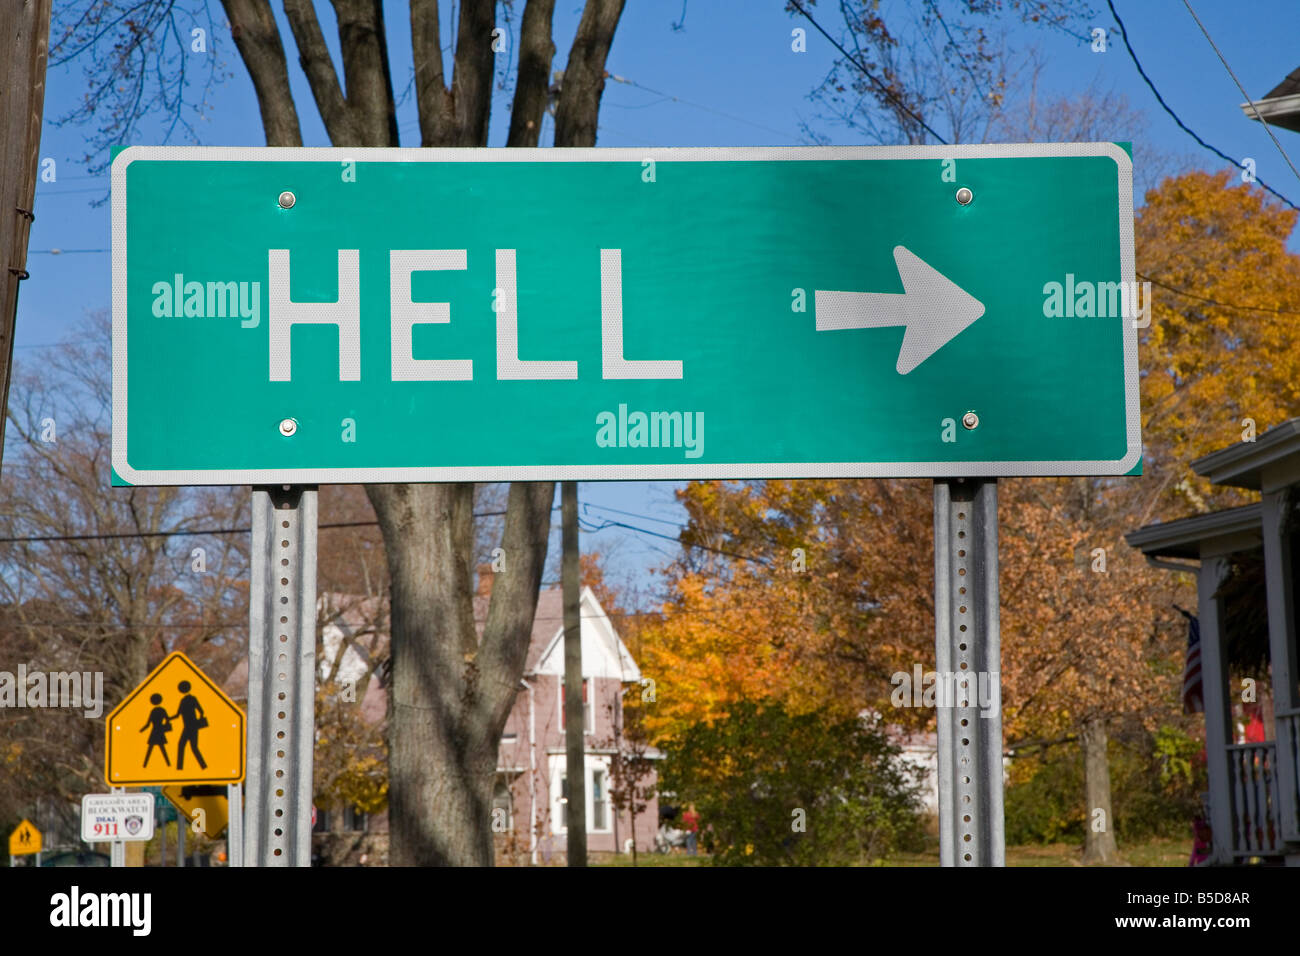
(1241, 89)
(884, 90)
(669, 97)
(1123, 32)
(1222, 305)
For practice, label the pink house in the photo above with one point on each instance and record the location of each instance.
(528, 809)
(529, 803)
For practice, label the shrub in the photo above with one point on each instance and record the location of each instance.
(802, 789)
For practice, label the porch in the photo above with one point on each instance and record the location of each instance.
(1245, 561)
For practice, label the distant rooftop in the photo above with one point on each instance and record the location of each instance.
(1281, 107)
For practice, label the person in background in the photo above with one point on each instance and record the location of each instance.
(691, 824)
(1254, 731)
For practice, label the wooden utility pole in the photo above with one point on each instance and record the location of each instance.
(575, 811)
(25, 39)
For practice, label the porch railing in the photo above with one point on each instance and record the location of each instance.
(1288, 729)
(1257, 821)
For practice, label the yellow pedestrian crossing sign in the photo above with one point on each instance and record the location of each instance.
(25, 839)
(177, 727)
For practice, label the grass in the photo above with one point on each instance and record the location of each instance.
(648, 859)
(1157, 852)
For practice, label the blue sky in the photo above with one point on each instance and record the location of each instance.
(728, 77)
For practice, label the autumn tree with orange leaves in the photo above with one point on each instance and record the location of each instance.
(812, 593)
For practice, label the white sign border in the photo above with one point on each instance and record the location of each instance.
(622, 472)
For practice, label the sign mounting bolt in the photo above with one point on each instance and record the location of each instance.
(964, 196)
(287, 199)
(288, 426)
(970, 420)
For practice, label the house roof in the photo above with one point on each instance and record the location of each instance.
(1258, 465)
(547, 632)
(603, 652)
(1288, 87)
(548, 620)
(1281, 105)
(1219, 532)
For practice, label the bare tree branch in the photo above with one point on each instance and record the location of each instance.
(536, 52)
(366, 72)
(584, 77)
(431, 99)
(314, 58)
(252, 26)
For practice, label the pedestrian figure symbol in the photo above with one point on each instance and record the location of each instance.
(161, 724)
(190, 713)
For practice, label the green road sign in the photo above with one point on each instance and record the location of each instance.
(323, 315)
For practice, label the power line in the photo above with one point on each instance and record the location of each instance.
(632, 514)
(953, 42)
(1166, 107)
(1241, 89)
(606, 523)
(699, 106)
(184, 532)
(62, 252)
(1223, 305)
(197, 532)
(46, 193)
(204, 532)
(866, 72)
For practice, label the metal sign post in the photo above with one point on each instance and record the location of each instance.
(117, 849)
(234, 825)
(968, 656)
(281, 678)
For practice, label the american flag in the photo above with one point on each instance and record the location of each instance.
(1193, 699)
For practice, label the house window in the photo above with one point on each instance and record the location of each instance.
(350, 819)
(598, 810)
(586, 709)
(598, 800)
(354, 820)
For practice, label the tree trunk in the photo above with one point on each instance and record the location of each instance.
(1099, 841)
(452, 692)
(25, 28)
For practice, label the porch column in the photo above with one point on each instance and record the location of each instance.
(1278, 576)
(1218, 717)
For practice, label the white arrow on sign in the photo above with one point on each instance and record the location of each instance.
(933, 307)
